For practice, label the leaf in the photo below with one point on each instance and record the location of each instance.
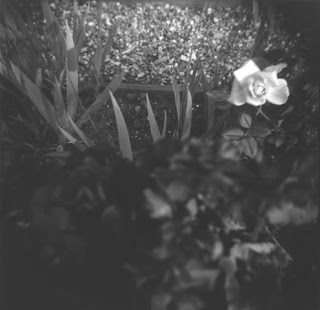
(259, 130)
(176, 92)
(124, 140)
(72, 74)
(39, 77)
(160, 301)
(101, 99)
(233, 134)
(34, 93)
(188, 118)
(59, 103)
(102, 51)
(80, 133)
(164, 129)
(288, 213)
(156, 205)
(245, 120)
(155, 132)
(57, 39)
(249, 146)
(72, 139)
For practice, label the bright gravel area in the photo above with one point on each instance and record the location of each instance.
(156, 41)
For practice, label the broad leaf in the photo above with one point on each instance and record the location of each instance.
(233, 134)
(245, 120)
(249, 146)
(259, 130)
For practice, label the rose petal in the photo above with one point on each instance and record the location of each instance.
(270, 79)
(278, 95)
(255, 101)
(237, 96)
(277, 68)
(246, 70)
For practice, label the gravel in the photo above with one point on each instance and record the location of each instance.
(155, 41)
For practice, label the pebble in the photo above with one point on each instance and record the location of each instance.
(132, 96)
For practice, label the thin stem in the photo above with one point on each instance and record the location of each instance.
(267, 118)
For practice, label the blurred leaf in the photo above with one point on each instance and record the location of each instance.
(245, 120)
(160, 60)
(155, 132)
(156, 205)
(160, 301)
(124, 140)
(289, 213)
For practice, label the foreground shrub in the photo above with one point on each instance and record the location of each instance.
(185, 226)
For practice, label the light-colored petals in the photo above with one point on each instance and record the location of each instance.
(237, 96)
(256, 87)
(246, 70)
(278, 95)
(269, 78)
(277, 68)
(256, 101)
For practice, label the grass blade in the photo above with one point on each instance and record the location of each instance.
(59, 104)
(72, 74)
(155, 132)
(72, 139)
(176, 92)
(188, 118)
(124, 140)
(57, 39)
(164, 129)
(34, 93)
(101, 99)
(80, 133)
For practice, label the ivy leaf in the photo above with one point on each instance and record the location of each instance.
(233, 134)
(249, 146)
(259, 130)
(245, 120)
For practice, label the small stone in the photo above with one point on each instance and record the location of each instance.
(131, 96)
(137, 108)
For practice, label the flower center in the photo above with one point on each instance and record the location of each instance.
(259, 90)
